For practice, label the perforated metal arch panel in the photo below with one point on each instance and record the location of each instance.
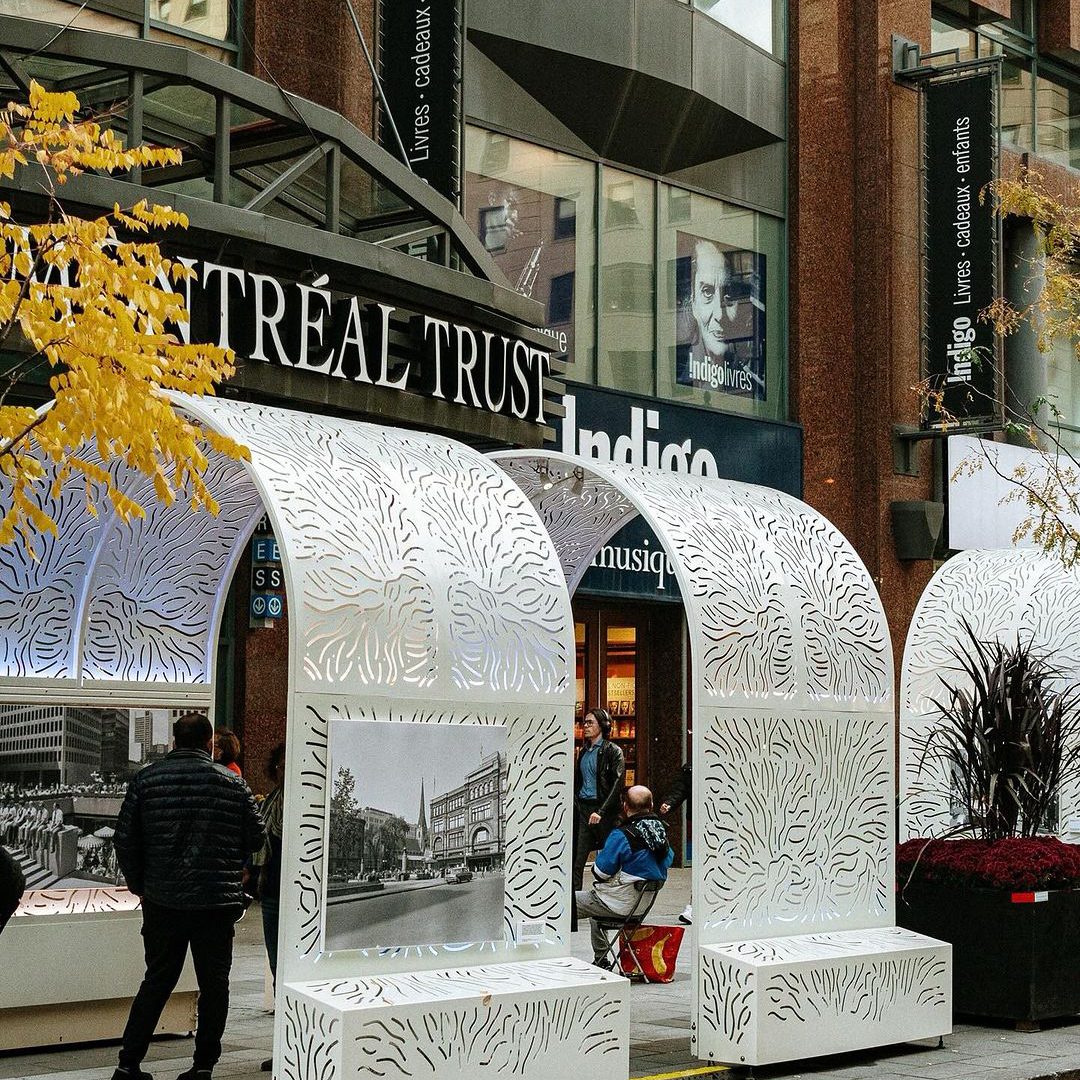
(126, 611)
(792, 741)
(1000, 594)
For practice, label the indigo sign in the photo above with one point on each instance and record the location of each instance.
(961, 364)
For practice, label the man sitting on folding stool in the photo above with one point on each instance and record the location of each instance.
(636, 851)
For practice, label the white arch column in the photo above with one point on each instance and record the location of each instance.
(422, 589)
(1000, 594)
(795, 948)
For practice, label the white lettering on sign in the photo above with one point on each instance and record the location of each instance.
(314, 328)
(958, 362)
(959, 350)
(634, 448)
(641, 560)
(420, 150)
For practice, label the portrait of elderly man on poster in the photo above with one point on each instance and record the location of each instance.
(720, 301)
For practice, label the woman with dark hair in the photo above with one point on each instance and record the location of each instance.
(598, 789)
(227, 750)
(268, 862)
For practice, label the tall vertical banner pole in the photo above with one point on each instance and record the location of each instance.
(960, 250)
(420, 58)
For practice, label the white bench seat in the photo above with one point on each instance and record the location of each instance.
(540, 1020)
(787, 998)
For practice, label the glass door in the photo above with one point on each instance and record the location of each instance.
(620, 688)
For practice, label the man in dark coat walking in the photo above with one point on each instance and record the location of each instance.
(185, 829)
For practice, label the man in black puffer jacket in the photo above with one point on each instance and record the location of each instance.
(184, 832)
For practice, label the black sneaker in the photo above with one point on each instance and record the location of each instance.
(267, 1065)
(130, 1074)
(602, 962)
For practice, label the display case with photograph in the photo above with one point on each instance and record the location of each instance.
(64, 771)
(416, 829)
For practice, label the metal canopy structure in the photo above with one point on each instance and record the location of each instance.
(796, 951)
(1002, 595)
(247, 144)
(279, 186)
(427, 584)
(422, 588)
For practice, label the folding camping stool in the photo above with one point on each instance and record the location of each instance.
(624, 926)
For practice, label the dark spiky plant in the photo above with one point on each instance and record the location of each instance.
(1008, 736)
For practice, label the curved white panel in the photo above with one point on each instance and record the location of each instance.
(1001, 595)
(414, 563)
(792, 737)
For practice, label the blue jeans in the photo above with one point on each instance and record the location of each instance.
(270, 909)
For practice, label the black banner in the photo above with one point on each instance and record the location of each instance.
(420, 68)
(960, 251)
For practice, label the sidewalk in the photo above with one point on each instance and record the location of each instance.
(659, 1036)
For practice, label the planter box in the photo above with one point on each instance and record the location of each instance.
(1015, 955)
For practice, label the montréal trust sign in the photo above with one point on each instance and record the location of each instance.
(307, 326)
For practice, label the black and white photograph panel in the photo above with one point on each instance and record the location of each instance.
(64, 771)
(415, 834)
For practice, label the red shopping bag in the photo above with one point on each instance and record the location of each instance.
(656, 948)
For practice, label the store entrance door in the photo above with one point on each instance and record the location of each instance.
(631, 661)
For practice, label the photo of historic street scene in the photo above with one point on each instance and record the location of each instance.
(416, 834)
(63, 774)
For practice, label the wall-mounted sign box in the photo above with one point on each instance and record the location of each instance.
(267, 582)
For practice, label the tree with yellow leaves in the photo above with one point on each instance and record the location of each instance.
(95, 305)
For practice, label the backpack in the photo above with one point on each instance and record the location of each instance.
(12, 884)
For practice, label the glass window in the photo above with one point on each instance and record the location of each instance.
(944, 36)
(1016, 116)
(1057, 113)
(207, 17)
(565, 218)
(561, 302)
(627, 289)
(751, 19)
(722, 307)
(1063, 393)
(493, 227)
(537, 197)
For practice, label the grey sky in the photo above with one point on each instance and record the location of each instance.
(390, 759)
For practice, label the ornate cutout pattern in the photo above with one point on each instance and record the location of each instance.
(861, 991)
(425, 571)
(76, 901)
(40, 596)
(534, 1037)
(1000, 594)
(311, 1042)
(156, 583)
(727, 993)
(579, 525)
(797, 829)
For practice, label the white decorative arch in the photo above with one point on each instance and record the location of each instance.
(795, 945)
(422, 587)
(1000, 594)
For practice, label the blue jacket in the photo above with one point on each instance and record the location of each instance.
(637, 850)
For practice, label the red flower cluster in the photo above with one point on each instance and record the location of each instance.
(1015, 864)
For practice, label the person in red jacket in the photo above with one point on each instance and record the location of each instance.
(227, 750)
